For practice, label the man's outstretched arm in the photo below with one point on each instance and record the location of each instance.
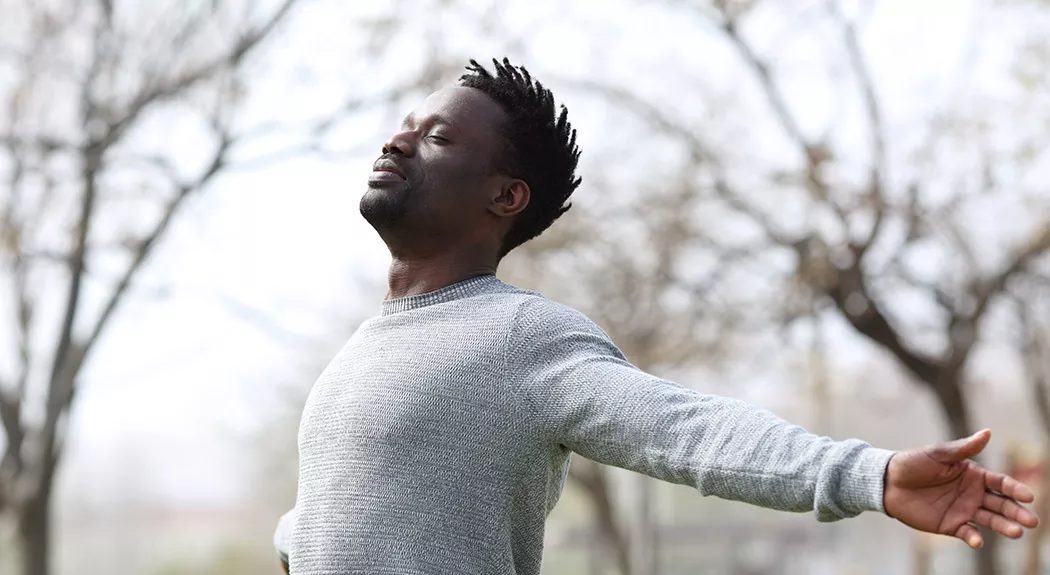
(590, 399)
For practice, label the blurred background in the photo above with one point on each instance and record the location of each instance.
(838, 210)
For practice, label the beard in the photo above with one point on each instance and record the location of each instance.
(384, 209)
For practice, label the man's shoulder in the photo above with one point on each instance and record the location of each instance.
(546, 332)
(539, 316)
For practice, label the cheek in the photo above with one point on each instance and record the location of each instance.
(458, 181)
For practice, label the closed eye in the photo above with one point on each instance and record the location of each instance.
(438, 139)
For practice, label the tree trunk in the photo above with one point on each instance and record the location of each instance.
(34, 535)
(1033, 561)
(953, 403)
(590, 477)
(606, 518)
(646, 538)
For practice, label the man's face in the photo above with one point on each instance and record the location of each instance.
(438, 171)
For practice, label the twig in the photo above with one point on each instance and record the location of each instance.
(985, 290)
(876, 194)
(814, 154)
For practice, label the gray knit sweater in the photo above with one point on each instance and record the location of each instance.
(438, 439)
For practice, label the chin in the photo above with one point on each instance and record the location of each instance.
(383, 209)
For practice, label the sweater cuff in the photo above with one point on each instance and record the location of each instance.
(864, 482)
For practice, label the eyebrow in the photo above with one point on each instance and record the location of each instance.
(435, 119)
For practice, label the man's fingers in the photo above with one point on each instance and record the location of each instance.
(961, 449)
(1008, 486)
(1010, 509)
(970, 535)
(998, 523)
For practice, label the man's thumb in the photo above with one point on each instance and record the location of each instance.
(962, 449)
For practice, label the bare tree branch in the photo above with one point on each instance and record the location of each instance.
(699, 151)
(958, 239)
(876, 193)
(1035, 342)
(765, 77)
(12, 237)
(987, 289)
(849, 291)
(815, 154)
(735, 200)
(59, 389)
(33, 443)
(69, 357)
(39, 143)
(11, 464)
(56, 401)
(941, 297)
(147, 244)
(163, 90)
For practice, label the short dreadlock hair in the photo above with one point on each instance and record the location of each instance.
(540, 146)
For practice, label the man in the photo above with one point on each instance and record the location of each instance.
(438, 439)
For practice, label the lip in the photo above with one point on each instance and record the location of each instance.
(379, 177)
(383, 169)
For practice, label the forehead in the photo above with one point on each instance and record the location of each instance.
(466, 109)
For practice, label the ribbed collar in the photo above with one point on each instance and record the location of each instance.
(467, 288)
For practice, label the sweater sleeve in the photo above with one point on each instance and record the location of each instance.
(589, 399)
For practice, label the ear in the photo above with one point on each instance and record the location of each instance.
(510, 199)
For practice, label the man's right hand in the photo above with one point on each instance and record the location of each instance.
(938, 489)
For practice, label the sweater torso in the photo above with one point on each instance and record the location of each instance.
(416, 457)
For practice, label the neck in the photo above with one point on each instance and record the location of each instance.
(416, 276)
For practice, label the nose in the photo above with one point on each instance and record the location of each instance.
(399, 144)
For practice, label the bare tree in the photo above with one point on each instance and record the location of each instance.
(88, 194)
(883, 240)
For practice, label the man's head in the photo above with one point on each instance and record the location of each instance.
(487, 162)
